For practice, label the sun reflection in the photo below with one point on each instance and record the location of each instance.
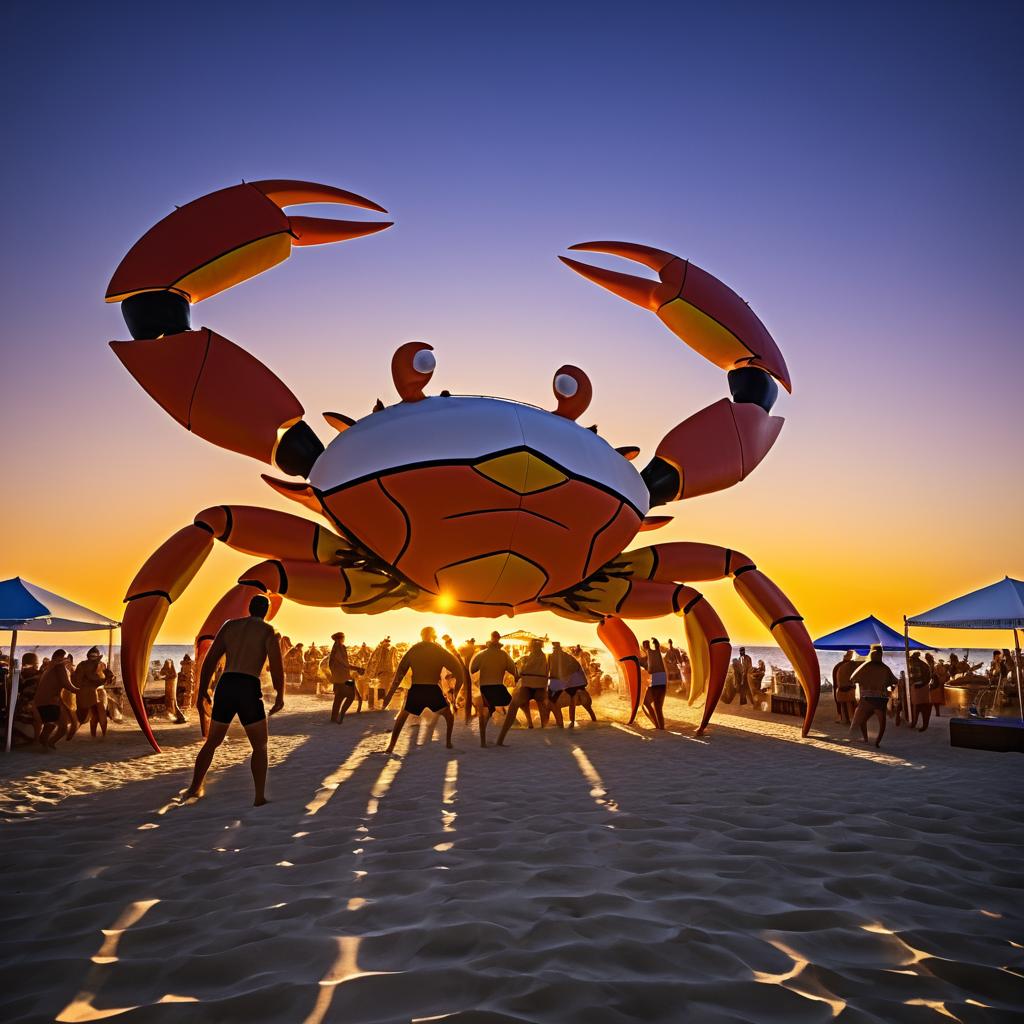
(80, 1008)
(330, 784)
(597, 790)
(799, 964)
(933, 1004)
(631, 730)
(448, 814)
(345, 968)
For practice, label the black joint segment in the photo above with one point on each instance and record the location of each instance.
(719, 640)
(229, 525)
(785, 618)
(149, 593)
(752, 386)
(662, 481)
(203, 526)
(744, 568)
(728, 560)
(630, 657)
(262, 587)
(151, 314)
(298, 449)
(282, 576)
(205, 636)
(692, 602)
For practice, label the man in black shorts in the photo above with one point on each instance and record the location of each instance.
(343, 674)
(532, 672)
(425, 660)
(492, 663)
(246, 645)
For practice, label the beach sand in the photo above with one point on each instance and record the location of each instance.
(605, 874)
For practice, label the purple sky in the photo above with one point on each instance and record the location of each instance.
(853, 173)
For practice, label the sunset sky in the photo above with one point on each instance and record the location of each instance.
(854, 174)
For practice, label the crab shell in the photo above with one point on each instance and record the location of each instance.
(489, 504)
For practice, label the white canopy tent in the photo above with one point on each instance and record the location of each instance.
(998, 606)
(28, 608)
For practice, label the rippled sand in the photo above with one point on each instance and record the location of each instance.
(608, 874)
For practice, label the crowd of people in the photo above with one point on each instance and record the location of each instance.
(866, 690)
(56, 697)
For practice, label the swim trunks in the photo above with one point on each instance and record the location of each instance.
(238, 694)
(495, 695)
(874, 701)
(658, 679)
(424, 695)
(49, 712)
(346, 689)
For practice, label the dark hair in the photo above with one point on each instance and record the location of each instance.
(259, 606)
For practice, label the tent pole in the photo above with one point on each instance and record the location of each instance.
(906, 658)
(1020, 700)
(110, 646)
(12, 691)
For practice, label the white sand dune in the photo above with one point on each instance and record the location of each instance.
(607, 874)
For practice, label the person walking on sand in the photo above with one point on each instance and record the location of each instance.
(492, 663)
(245, 645)
(920, 701)
(654, 697)
(875, 680)
(89, 677)
(425, 661)
(673, 672)
(53, 681)
(532, 673)
(845, 691)
(343, 674)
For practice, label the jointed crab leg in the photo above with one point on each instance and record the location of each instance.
(623, 647)
(692, 561)
(170, 569)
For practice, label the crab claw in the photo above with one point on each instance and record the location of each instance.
(698, 308)
(226, 237)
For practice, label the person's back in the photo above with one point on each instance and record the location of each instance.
(246, 643)
(425, 660)
(492, 663)
(534, 664)
(874, 678)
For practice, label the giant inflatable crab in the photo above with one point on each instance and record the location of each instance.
(464, 505)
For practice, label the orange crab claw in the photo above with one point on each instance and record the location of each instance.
(698, 308)
(226, 237)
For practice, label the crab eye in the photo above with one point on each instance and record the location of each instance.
(411, 369)
(573, 390)
(565, 386)
(424, 361)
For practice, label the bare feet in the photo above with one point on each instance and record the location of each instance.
(260, 801)
(193, 794)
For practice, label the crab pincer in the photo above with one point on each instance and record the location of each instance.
(694, 305)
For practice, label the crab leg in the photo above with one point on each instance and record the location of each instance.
(623, 647)
(722, 444)
(693, 561)
(172, 567)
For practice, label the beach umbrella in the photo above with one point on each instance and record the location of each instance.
(997, 606)
(27, 608)
(861, 636)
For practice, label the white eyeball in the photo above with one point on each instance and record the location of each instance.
(424, 361)
(565, 385)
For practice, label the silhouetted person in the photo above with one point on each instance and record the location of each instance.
(875, 679)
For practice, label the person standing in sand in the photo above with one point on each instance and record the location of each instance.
(245, 645)
(425, 661)
(53, 682)
(920, 702)
(654, 697)
(492, 664)
(343, 674)
(532, 673)
(89, 677)
(844, 690)
(875, 680)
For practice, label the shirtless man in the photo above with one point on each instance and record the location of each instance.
(89, 677)
(246, 645)
(875, 679)
(532, 673)
(844, 690)
(492, 664)
(425, 660)
(343, 674)
(54, 680)
(562, 676)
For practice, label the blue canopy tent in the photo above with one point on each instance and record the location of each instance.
(27, 608)
(860, 636)
(997, 606)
